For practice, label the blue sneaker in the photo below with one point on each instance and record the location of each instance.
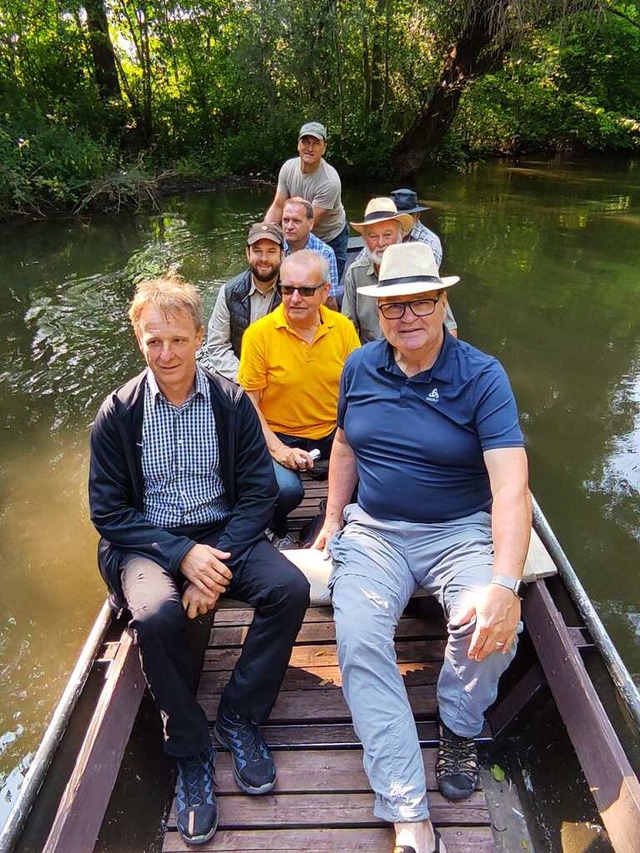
(197, 816)
(253, 765)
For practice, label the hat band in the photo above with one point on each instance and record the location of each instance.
(381, 214)
(408, 279)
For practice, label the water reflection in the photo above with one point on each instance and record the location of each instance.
(548, 255)
(619, 480)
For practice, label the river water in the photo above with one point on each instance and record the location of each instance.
(549, 256)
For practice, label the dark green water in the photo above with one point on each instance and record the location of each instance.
(549, 256)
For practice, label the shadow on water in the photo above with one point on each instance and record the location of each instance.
(548, 254)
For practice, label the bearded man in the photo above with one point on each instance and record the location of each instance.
(246, 298)
(383, 226)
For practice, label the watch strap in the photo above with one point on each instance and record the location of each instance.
(514, 584)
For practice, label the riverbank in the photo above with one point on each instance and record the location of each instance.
(129, 189)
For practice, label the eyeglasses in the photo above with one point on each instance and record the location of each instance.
(419, 308)
(304, 290)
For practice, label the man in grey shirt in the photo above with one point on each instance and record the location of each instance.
(312, 178)
(245, 299)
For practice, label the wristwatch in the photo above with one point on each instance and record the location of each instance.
(514, 584)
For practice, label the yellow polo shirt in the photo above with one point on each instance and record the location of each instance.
(299, 381)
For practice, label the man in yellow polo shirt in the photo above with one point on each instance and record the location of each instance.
(290, 367)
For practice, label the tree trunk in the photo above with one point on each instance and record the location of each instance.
(104, 61)
(379, 58)
(434, 120)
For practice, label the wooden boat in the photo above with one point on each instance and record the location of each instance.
(560, 749)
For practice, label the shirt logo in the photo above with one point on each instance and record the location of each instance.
(433, 396)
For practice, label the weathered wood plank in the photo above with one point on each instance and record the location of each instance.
(238, 811)
(338, 735)
(324, 632)
(327, 703)
(243, 615)
(87, 794)
(613, 783)
(406, 652)
(332, 771)
(506, 710)
(317, 677)
(329, 840)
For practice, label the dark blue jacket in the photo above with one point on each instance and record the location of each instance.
(116, 483)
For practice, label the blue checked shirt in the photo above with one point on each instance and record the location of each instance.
(327, 252)
(180, 459)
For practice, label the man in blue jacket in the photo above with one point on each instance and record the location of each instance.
(181, 488)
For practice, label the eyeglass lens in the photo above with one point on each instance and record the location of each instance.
(419, 308)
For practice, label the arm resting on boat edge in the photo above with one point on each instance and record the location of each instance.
(343, 476)
(496, 609)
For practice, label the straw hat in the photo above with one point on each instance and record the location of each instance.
(382, 210)
(406, 269)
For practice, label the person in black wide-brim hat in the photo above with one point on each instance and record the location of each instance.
(407, 202)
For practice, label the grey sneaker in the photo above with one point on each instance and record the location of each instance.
(283, 543)
(253, 765)
(197, 814)
(456, 765)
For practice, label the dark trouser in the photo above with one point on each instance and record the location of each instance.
(339, 245)
(172, 645)
(290, 488)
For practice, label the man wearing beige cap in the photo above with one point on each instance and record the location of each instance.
(245, 299)
(381, 227)
(312, 178)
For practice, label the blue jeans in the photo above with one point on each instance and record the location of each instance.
(291, 490)
(377, 566)
(339, 245)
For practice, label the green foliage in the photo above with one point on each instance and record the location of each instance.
(221, 88)
(44, 164)
(565, 90)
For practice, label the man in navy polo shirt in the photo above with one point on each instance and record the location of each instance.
(428, 428)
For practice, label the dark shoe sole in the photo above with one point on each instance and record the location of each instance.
(455, 794)
(247, 789)
(200, 839)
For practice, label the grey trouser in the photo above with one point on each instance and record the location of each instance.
(377, 566)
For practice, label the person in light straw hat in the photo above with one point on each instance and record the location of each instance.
(428, 429)
(408, 272)
(381, 228)
(382, 210)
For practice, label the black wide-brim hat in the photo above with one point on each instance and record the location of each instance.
(407, 201)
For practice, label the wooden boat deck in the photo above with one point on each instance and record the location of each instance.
(322, 799)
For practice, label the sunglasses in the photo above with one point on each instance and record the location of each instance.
(305, 290)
